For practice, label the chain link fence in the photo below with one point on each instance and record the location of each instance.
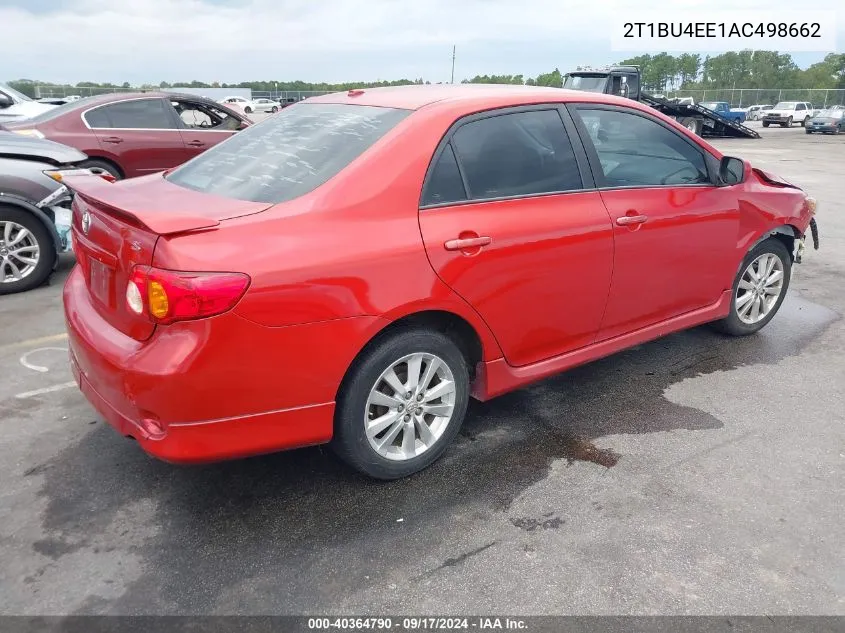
(43, 91)
(744, 97)
(737, 97)
(289, 95)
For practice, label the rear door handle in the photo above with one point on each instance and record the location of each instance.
(466, 243)
(196, 143)
(628, 220)
(112, 139)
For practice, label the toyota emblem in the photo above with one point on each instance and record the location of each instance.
(86, 222)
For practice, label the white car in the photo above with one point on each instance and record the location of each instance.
(15, 106)
(265, 105)
(785, 113)
(756, 112)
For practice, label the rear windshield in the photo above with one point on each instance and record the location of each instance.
(57, 111)
(288, 154)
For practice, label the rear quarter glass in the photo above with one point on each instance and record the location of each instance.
(289, 155)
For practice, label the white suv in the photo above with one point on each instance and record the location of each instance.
(785, 113)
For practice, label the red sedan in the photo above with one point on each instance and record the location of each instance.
(134, 134)
(355, 268)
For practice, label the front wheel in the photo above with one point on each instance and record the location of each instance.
(402, 404)
(788, 122)
(274, 109)
(765, 124)
(101, 167)
(248, 110)
(759, 288)
(27, 251)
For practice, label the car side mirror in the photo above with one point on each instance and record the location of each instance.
(731, 170)
(6, 101)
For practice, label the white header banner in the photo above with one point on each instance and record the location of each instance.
(673, 30)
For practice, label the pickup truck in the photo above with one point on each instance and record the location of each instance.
(785, 113)
(723, 109)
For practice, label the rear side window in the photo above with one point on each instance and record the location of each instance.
(444, 184)
(98, 118)
(518, 154)
(287, 155)
(144, 114)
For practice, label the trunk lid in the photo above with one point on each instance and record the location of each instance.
(116, 226)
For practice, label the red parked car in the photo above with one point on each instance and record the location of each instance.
(133, 134)
(355, 268)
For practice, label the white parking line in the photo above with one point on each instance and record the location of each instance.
(34, 341)
(38, 392)
(40, 368)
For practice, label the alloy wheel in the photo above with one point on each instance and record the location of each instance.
(409, 406)
(759, 288)
(19, 252)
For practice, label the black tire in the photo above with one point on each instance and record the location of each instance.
(102, 165)
(692, 124)
(765, 124)
(788, 123)
(732, 324)
(248, 110)
(804, 123)
(350, 441)
(46, 247)
(808, 131)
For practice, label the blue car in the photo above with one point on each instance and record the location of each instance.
(830, 121)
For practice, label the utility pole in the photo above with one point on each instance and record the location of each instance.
(453, 63)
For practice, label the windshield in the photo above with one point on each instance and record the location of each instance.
(785, 105)
(14, 93)
(588, 83)
(710, 105)
(830, 114)
(287, 155)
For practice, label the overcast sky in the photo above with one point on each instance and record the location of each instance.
(142, 41)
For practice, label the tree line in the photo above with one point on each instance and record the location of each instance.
(661, 72)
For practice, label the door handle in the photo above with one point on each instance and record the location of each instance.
(113, 139)
(466, 243)
(628, 220)
(196, 143)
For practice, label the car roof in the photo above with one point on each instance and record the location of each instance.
(417, 96)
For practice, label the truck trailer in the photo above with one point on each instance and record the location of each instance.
(626, 81)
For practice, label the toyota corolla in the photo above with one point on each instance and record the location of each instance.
(354, 269)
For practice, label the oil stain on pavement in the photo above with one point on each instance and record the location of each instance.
(298, 528)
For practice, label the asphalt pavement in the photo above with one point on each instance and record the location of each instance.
(693, 475)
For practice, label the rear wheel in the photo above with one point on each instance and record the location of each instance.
(27, 251)
(102, 166)
(759, 288)
(692, 124)
(402, 404)
(765, 124)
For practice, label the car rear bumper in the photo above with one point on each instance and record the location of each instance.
(211, 389)
(216, 440)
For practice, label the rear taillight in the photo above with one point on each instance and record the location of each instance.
(166, 296)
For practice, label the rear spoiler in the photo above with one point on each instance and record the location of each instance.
(124, 204)
(771, 179)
